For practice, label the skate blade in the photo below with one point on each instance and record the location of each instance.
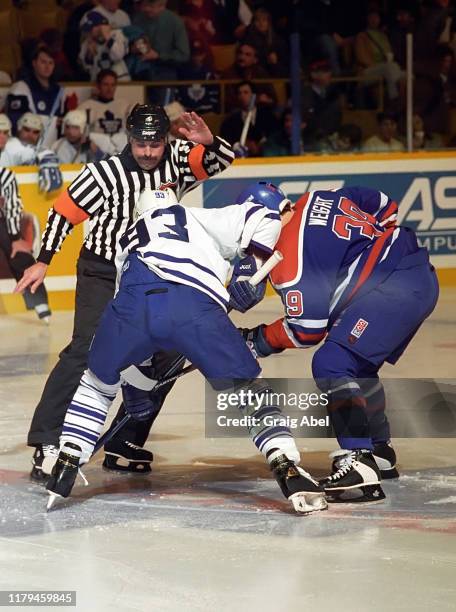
(370, 494)
(116, 463)
(51, 500)
(305, 503)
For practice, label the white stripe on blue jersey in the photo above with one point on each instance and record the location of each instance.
(193, 246)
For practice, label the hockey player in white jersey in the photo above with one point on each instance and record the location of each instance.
(172, 296)
(25, 150)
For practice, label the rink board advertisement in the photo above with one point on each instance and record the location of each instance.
(424, 185)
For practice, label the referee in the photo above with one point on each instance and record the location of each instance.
(105, 193)
(16, 250)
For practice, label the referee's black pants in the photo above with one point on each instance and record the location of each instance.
(95, 286)
(18, 265)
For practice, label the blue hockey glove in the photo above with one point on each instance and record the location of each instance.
(243, 295)
(49, 175)
(257, 342)
(140, 404)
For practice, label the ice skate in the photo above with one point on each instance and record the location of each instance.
(385, 458)
(64, 474)
(124, 456)
(356, 479)
(43, 461)
(298, 486)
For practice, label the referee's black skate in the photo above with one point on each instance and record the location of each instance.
(124, 456)
(356, 479)
(43, 461)
(297, 485)
(64, 473)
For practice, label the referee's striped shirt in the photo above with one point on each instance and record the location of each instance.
(12, 208)
(105, 193)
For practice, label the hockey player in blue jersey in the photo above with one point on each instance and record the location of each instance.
(172, 296)
(354, 279)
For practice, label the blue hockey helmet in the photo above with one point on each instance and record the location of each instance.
(265, 194)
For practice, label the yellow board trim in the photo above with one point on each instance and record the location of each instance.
(353, 157)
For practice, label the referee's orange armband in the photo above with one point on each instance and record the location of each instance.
(195, 160)
(65, 206)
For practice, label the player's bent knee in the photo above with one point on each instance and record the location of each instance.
(333, 361)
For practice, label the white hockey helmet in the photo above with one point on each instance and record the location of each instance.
(150, 199)
(5, 124)
(75, 118)
(30, 121)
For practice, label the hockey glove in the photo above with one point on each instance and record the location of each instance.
(141, 405)
(49, 175)
(243, 295)
(257, 343)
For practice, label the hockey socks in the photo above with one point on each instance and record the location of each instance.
(87, 413)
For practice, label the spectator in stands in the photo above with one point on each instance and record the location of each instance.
(167, 36)
(110, 10)
(246, 65)
(374, 55)
(279, 142)
(262, 125)
(272, 50)
(436, 91)
(231, 18)
(404, 23)
(102, 47)
(422, 139)
(347, 139)
(198, 97)
(26, 149)
(52, 38)
(198, 16)
(72, 37)
(430, 26)
(38, 93)
(175, 111)
(106, 113)
(75, 146)
(321, 103)
(385, 140)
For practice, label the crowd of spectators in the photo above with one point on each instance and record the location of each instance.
(353, 57)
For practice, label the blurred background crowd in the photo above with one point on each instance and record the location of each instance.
(215, 57)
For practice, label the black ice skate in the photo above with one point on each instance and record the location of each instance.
(43, 461)
(64, 474)
(385, 458)
(298, 486)
(357, 479)
(124, 456)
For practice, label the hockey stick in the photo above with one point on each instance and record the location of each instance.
(170, 375)
(248, 121)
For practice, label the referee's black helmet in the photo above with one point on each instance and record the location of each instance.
(148, 122)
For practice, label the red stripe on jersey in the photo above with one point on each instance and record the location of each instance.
(288, 245)
(391, 210)
(277, 337)
(371, 261)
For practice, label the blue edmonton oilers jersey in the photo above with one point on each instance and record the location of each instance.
(338, 245)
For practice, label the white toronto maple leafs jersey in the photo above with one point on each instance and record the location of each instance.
(194, 246)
